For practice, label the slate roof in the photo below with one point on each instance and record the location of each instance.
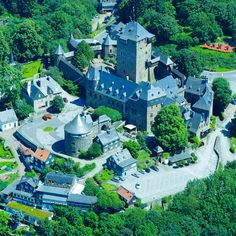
(180, 157)
(53, 190)
(135, 32)
(150, 92)
(103, 118)
(116, 87)
(10, 188)
(123, 158)
(108, 137)
(22, 193)
(109, 42)
(116, 29)
(83, 199)
(8, 116)
(50, 198)
(59, 50)
(75, 42)
(194, 123)
(41, 88)
(162, 57)
(80, 125)
(32, 181)
(204, 103)
(60, 179)
(195, 86)
(169, 85)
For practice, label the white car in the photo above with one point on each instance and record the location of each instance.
(137, 186)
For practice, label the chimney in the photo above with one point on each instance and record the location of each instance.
(38, 83)
(29, 87)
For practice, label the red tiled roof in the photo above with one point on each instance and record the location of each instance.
(125, 193)
(41, 154)
(25, 151)
(221, 47)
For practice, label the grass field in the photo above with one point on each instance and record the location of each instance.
(30, 69)
(109, 187)
(48, 129)
(4, 153)
(11, 178)
(9, 166)
(104, 176)
(34, 212)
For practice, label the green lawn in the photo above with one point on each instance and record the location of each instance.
(34, 212)
(11, 178)
(5, 153)
(30, 69)
(48, 129)
(104, 176)
(10, 166)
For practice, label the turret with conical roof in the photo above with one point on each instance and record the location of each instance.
(78, 134)
(59, 53)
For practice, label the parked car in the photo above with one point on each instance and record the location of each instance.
(65, 100)
(142, 171)
(155, 168)
(137, 186)
(121, 178)
(148, 170)
(115, 179)
(135, 175)
(47, 116)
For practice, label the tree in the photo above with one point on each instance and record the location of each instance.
(5, 50)
(170, 130)
(4, 229)
(83, 55)
(133, 147)
(112, 113)
(189, 64)
(57, 104)
(95, 150)
(27, 43)
(222, 95)
(22, 108)
(109, 200)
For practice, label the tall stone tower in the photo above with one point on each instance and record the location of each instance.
(134, 49)
(58, 54)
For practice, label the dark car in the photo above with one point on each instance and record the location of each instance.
(142, 171)
(115, 179)
(148, 170)
(135, 175)
(155, 168)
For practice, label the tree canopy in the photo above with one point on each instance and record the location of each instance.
(222, 95)
(83, 55)
(112, 113)
(170, 130)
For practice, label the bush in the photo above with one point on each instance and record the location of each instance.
(95, 150)
(221, 116)
(232, 149)
(112, 113)
(133, 147)
(196, 142)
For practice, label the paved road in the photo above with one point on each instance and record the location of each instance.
(231, 75)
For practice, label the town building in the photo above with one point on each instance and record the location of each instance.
(40, 92)
(58, 188)
(41, 159)
(126, 196)
(109, 140)
(8, 120)
(37, 160)
(122, 163)
(107, 5)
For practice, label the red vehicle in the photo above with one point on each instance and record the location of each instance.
(65, 100)
(47, 116)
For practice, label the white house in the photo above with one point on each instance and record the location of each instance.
(8, 120)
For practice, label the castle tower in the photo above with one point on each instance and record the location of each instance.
(78, 134)
(134, 49)
(58, 54)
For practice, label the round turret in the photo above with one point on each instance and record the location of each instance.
(78, 134)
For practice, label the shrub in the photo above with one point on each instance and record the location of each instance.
(232, 149)
(112, 113)
(221, 116)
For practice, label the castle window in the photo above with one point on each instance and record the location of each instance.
(151, 115)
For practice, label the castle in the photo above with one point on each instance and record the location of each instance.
(143, 81)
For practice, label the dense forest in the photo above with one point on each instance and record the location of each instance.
(181, 25)
(206, 207)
